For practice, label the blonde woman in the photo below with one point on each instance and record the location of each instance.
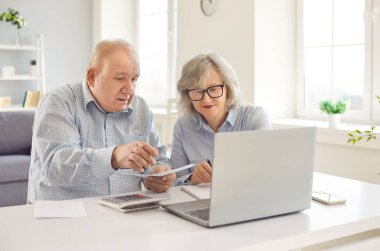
(209, 103)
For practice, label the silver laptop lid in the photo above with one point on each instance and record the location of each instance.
(259, 174)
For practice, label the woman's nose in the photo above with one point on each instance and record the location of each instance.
(206, 97)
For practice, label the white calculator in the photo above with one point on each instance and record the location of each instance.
(131, 202)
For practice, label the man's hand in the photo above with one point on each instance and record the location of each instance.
(160, 184)
(136, 155)
(202, 173)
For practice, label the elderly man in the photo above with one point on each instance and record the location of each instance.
(88, 136)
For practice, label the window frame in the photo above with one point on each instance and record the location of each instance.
(363, 115)
(171, 58)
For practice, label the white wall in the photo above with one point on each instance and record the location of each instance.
(230, 32)
(114, 19)
(333, 155)
(275, 60)
(348, 161)
(67, 29)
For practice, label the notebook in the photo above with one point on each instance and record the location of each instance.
(199, 192)
(256, 174)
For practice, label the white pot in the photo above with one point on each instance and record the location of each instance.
(334, 120)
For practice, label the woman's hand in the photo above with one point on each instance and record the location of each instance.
(202, 173)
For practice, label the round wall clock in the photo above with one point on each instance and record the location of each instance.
(209, 7)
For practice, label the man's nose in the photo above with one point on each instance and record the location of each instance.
(129, 86)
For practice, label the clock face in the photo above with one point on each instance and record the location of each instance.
(209, 7)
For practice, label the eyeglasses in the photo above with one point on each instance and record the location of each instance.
(214, 91)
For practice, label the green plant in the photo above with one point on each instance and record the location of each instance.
(13, 17)
(357, 135)
(330, 107)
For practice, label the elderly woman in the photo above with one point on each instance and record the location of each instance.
(209, 103)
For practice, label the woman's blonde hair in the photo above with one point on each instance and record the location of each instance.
(196, 73)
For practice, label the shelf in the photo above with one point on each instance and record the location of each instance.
(20, 77)
(17, 108)
(9, 83)
(18, 47)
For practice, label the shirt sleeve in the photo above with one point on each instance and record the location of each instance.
(178, 155)
(58, 144)
(257, 119)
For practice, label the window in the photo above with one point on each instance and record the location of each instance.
(335, 55)
(157, 48)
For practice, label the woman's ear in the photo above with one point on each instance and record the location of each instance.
(90, 77)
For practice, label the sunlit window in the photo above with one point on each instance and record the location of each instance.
(156, 47)
(335, 55)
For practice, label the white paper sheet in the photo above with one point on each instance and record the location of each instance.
(163, 173)
(199, 192)
(59, 209)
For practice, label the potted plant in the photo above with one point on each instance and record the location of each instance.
(12, 16)
(334, 110)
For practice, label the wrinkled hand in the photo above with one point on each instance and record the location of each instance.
(136, 155)
(202, 173)
(160, 184)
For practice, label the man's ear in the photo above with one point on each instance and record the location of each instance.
(91, 77)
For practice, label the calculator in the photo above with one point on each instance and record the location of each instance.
(131, 202)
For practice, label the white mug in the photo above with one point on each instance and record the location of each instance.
(8, 71)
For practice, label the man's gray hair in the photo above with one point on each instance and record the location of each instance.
(195, 75)
(106, 47)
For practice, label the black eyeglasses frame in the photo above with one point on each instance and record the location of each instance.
(206, 90)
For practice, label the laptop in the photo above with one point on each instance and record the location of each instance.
(256, 174)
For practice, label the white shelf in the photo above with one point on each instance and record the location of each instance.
(20, 77)
(17, 108)
(18, 47)
(37, 79)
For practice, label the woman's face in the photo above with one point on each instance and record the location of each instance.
(212, 109)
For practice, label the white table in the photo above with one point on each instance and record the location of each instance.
(107, 229)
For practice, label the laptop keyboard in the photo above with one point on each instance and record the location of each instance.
(202, 214)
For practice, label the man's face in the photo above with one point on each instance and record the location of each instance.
(113, 85)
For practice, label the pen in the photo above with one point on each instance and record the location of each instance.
(209, 162)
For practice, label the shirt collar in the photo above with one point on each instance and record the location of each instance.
(231, 117)
(89, 98)
(201, 122)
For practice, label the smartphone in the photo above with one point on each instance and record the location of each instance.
(327, 198)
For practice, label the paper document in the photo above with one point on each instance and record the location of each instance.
(200, 192)
(142, 175)
(59, 209)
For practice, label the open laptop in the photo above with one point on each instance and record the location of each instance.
(256, 174)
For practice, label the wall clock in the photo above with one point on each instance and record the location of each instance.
(209, 7)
